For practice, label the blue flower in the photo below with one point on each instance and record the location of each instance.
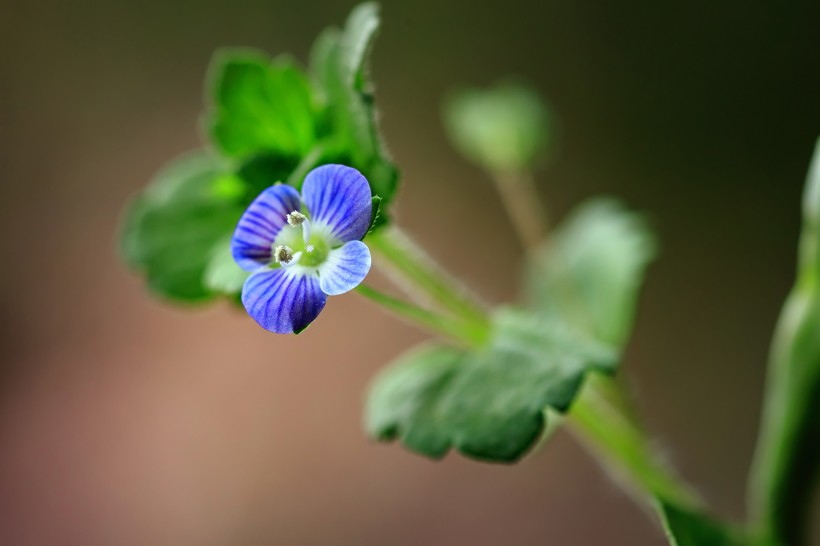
(303, 249)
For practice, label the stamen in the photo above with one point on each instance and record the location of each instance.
(283, 254)
(295, 218)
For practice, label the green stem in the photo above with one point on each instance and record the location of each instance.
(521, 200)
(601, 420)
(468, 333)
(408, 262)
(602, 415)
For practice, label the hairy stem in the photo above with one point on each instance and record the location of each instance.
(602, 416)
(602, 420)
(468, 333)
(520, 198)
(413, 270)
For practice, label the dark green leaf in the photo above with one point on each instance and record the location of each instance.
(259, 106)
(487, 404)
(171, 230)
(590, 271)
(787, 461)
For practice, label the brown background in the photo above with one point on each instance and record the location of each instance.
(127, 422)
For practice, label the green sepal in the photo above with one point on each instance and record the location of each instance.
(378, 218)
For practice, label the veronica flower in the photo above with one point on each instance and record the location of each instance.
(302, 249)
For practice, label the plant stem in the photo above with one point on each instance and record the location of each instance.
(521, 200)
(601, 415)
(602, 422)
(405, 260)
(470, 333)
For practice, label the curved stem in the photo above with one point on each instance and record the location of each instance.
(601, 415)
(469, 333)
(405, 261)
(601, 420)
(521, 200)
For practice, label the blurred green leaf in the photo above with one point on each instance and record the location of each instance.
(590, 271)
(259, 106)
(339, 67)
(488, 404)
(787, 461)
(222, 274)
(502, 128)
(689, 528)
(171, 229)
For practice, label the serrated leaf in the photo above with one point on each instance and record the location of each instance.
(170, 230)
(259, 106)
(590, 271)
(487, 404)
(787, 461)
(339, 67)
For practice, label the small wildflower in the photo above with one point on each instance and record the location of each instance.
(298, 259)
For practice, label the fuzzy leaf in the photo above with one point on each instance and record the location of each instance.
(259, 106)
(171, 229)
(487, 404)
(339, 67)
(590, 271)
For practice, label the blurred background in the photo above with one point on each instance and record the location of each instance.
(130, 422)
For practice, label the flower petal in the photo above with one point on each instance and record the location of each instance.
(344, 268)
(339, 198)
(262, 221)
(283, 300)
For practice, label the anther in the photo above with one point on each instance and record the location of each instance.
(283, 254)
(295, 218)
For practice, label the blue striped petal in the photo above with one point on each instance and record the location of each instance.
(259, 225)
(339, 198)
(283, 301)
(344, 268)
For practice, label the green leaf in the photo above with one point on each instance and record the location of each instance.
(339, 68)
(171, 229)
(591, 269)
(503, 128)
(787, 461)
(690, 528)
(222, 274)
(487, 404)
(259, 106)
